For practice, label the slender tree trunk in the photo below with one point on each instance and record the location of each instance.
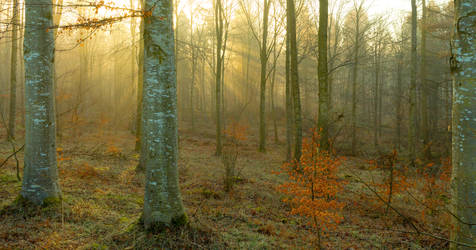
(13, 72)
(323, 118)
(272, 95)
(192, 118)
(376, 93)
(464, 121)
(140, 82)
(22, 69)
(162, 201)
(398, 98)
(57, 14)
(264, 63)
(291, 28)
(289, 103)
(218, 73)
(424, 88)
(354, 82)
(412, 101)
(40, 177)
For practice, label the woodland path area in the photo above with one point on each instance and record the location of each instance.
(103, 199)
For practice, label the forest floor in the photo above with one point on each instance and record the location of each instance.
(103, 199)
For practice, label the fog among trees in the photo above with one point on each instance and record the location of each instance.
(242, 124)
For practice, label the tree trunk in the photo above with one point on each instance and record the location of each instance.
(40, 177)
(323, 118)
(398, 98)
(140, 82)
(424, 88)
(412, 101)
(162, 202)
(218, 74)
(264, 63)
(376, 93)
(296, 96)
(354, 82)
(13, 72)
(192, 45)
(289, 103)
(57, 14)
(464, 121)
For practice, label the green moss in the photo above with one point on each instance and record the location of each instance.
(180, 221)
(51, 201)
(159, 227)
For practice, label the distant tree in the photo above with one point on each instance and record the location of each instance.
(221, 29)
(294, 77)
(40, 177)
(265, 51)
(425, 90)
(359, 33)
(323, 118)
(464, 123)
(162, 201)
(413, 75)
(13, 71)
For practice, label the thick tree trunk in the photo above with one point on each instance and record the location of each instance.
(40, 177)
(323, 118)
(162, 202)
(464, 121)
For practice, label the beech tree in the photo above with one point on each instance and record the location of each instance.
(162, 201)
(13, 72)
(323, 119)
(40, 177)
(413, 75)
(464, 121)
(294, 77)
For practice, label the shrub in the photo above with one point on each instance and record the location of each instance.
(313, 186)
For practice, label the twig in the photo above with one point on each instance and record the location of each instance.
(387, 203)
(11, 155)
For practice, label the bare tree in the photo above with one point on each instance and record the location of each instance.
(40, 178)
(162, 201)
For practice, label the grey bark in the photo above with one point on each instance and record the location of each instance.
(463, 181)
(40, 177)
(162, 201)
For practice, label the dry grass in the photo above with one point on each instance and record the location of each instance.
(103, 200)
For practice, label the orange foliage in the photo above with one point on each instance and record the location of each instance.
(313, 185)
(396, 181)
(237, 132)
(436, 185)
(87, 171)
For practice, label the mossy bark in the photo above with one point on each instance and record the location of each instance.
(40, 178)
(463, 181)
(159, 151)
